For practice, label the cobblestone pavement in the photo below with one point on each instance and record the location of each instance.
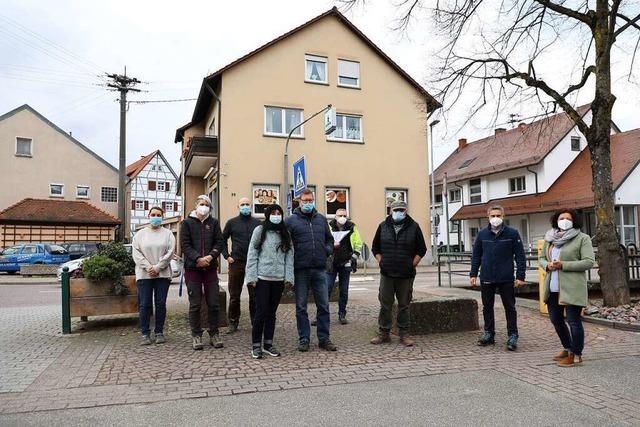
(104, 364)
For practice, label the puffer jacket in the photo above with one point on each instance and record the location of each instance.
(312, 239)
(270, 263)
(200, 238)
(398, 250)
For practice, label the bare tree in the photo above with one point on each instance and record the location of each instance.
(491, 53)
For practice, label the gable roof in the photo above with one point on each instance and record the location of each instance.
(51, 124)
(573, 188)
(51, 211)
(204, 98)
(523, 146)
(136, 167)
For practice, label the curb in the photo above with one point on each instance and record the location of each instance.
(612, 324)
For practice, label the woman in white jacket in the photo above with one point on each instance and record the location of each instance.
(269, 267)
(153, 248)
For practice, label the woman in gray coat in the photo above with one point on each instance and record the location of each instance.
(269, 267)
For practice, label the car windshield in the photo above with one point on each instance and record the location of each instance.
(55, 250)
(12, 250)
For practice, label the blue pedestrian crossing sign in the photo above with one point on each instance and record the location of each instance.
(299, 177)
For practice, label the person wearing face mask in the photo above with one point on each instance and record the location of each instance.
(345, 258)
(269, 268)
(398, 246)
(153, 248)
(201, 242)
(313, 243)
(566, 256)
(239, 229)
(494, 251)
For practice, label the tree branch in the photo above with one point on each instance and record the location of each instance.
(590, 69)
(630, 23)
(583, 17)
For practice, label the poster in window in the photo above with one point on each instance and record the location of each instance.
(263, 196)
(394, 196)
(336, 198)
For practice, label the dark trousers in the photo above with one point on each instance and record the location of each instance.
(199, 283)
(236, 280)
(574, 341)
(508, 296)
(313, 279)
(268, 294)
(343, 274)
(152, 291)
(402, 290)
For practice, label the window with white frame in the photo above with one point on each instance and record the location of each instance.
(24, 146)
(336, 198)
(475, 191)
(160, 186)
(82, 191)
(109, 194)
(139, 205)
(575, 143)
(348, 73)
(395, 195)
(279, 121)
(517, 185)
(56, 190)
(167, 206)
(348, 128)
(455, 195)
(629, 225)
(438, 199)
(315, 69)
(263, 196)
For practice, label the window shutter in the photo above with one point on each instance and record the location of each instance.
(146, 205)
(152, 186)
(133, 204)
(349, 69)
(175, 206)
(167, 186)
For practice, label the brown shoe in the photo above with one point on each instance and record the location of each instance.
(561, 355)
(382, 337)
(406, 340)
(570, 361)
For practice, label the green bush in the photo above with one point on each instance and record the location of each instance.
(111, 263)
(99, 268)
(118, 253)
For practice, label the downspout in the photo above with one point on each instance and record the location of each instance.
(528, 215)
(206, 84)
(536, 175)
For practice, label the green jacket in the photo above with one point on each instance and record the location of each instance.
(577, 257)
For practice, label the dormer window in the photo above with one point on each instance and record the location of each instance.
(466, 163)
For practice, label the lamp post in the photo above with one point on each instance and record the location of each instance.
(433, 196)
(286, 155)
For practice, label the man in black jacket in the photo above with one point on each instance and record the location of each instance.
(239, 229)
(398, 247)
(201, 243)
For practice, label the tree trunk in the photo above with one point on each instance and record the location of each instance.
(611, 262)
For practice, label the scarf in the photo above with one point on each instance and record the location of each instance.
(559, 238)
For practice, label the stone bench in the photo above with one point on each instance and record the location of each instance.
(441, 314)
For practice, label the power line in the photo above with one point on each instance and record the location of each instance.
(158, 101)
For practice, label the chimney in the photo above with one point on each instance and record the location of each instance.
(500, 130)
(462, 142)
(522, 126)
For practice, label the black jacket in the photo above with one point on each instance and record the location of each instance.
(312, 239)
(198, 239)
(398, 249)
(240, 229)
(493, 255)
(343, 253)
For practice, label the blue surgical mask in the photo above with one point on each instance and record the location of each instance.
(245, 210)
(398, 215)
(155, 221)
(275, 219)
(308, 207)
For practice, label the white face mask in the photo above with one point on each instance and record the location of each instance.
(341, 220)
(565, 224)
(202, 210)
(495, 221)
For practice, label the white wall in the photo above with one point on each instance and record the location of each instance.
(629, 192)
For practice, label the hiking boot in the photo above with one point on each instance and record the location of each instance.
(486, 339)
(271, 351)
(382, 337)
(570, 361)
(233, 328)
(561, 355)
(256, 353)
(327, 345)
(197, 342)
(406, 340)
(146, 340)
(512, 342)
(160, 339)
(303, 346)
(343, 320)
(314, 322)
(216, 341)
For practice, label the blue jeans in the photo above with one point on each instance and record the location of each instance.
(343, 273)
(150, 291)
(316, 280)
(574, 340)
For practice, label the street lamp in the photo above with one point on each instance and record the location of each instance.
(433, 196)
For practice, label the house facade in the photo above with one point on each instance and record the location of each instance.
(151, 182)
(234, 144)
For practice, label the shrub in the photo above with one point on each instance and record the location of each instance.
(111, 263)
(118, 253)
(99, 268)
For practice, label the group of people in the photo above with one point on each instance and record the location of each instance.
(307, 253)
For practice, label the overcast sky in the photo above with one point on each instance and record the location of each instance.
(50, 58)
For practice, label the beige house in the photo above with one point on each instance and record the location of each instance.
(234, 144)
(41, 161)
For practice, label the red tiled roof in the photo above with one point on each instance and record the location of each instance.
(573, 187)
(62, 212)
(136, 167)
(523, 146)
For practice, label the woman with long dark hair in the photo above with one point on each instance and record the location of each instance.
(269, 268)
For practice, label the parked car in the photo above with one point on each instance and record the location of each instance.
(73, 265)
(32, 253)
(80, 249)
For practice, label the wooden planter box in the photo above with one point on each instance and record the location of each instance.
(95, 299)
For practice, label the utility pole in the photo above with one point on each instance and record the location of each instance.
(123, 84)
(434, 234)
